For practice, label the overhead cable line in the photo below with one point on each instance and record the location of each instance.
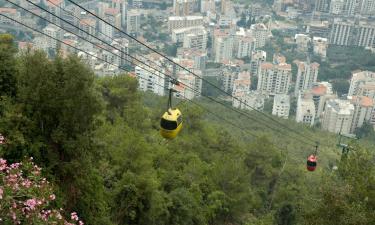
(210, 98)
(184, 68)
(124, 69)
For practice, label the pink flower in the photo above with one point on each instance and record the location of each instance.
(1, 193)
(15, 165)
(31, 203)
(52, 197)
(74, 216)
(80, 223)
(3, 164)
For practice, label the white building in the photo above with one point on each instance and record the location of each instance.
(190, 81)
(361, 83)
(303, 41)
(274, 79)
(54, 32)
(9, 12)
(178, 22)
(249, 101)
(305, 110)
(363, 109)
(54, 7)
(337, 7)
(338, 116)
(222, 46)
(320, 46)
(245, 46)
(341, 32)
(368, 7)
(148, 81)
(227, 78)
(281, 106)
(178, 35)
(366, 34)
(197, 40)
(133, 21)
(307, 75)
(106, 31)
(185, 7)
(320, 93)
(260, 32)
(208, 5)
(257, 57)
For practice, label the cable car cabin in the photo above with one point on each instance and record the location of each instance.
(311, 163)
(171, 123)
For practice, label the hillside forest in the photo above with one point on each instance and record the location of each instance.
(97, 143)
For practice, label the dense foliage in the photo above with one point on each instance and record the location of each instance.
(98, 143)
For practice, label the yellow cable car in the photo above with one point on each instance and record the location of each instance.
(171, 121)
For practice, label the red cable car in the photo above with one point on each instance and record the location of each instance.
(312, 162)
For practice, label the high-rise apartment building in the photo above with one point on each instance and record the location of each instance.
(185, 7)
(341, 32)
(257, 57)
(260, 32)
(307, 75)
(197, 40)
(150, 80)
(360, 82)
(281, 106)
(222, 46)
(178, 22)
(305, 110)
(338, 116)
(133, 21)
(363, 109)
(274, 79)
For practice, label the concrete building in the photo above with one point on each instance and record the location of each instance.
(148, 81)
(54, 32)
(274, 79)
(366, 34)
(222, 46)
(361, 82)
(196, 41)
(185, 7)
(257, 57)
(133, 22)
(123, 45)
(320, 46)
(341, 32)
(305, 110)
(178, 35)
(190, 81)
(307, 75)
(367, 7)
(249, 101)
(363, 111)
(198, 56)
(54, 6)
(260, 32)
(338, 116)
(228, 76)
(178, 22)
(89, 26)
(208, 5)
(281, 106)
(242, 83)
(9, 12)
(337, 7)
(245, 46)
(322, 5)
(303, 42)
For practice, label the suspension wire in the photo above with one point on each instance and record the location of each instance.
(212, 99)
(189, 71)
(126, 70)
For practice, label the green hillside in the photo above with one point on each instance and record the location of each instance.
(97, 141)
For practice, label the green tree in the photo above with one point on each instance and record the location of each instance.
(7, 66)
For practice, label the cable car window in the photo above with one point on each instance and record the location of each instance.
(309, 163)
(179, 120)
(168, 125)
